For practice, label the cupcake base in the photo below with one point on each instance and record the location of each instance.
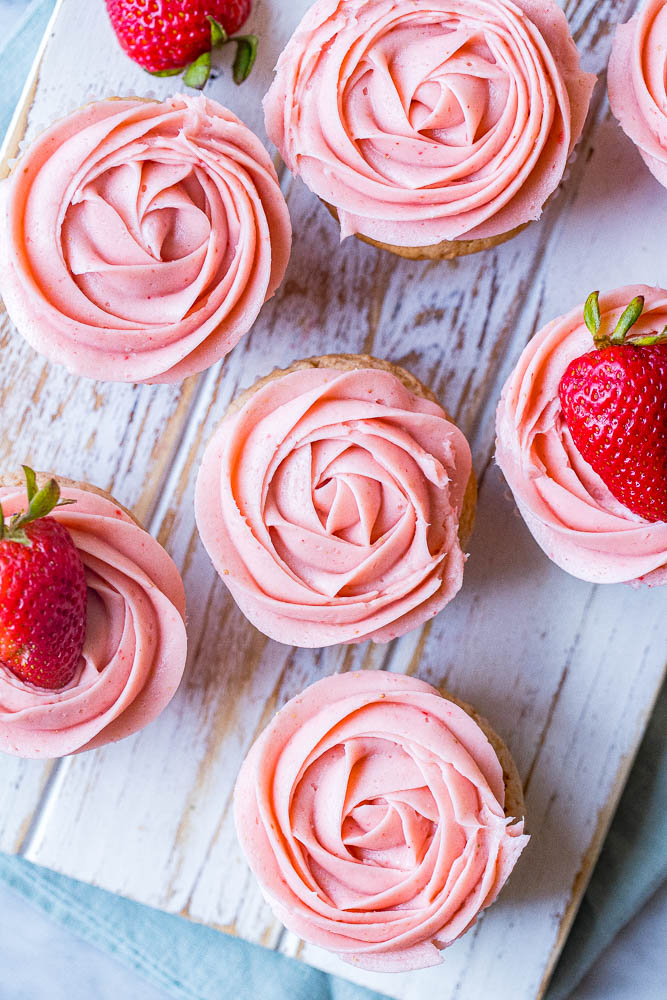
(515, 804)
(446, 250)
(353, 362)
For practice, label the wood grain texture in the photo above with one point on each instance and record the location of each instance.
(565, 671)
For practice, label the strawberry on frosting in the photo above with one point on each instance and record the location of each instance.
(637, 78)
(140, 239)
(568, 508)
(330, 504)
(430, 120)
(372, 812)
(135, 646)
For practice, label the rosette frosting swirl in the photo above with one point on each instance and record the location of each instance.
(134, 653)
(430, 120)
(637, 78)
(330, 505)
(142, 238)
(566, 505)
(372, 812)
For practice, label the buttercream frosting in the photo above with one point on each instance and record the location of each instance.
(330, 503)
(637, 79)
(135, 647)
(139, 239)
(430, 120)
(566, 505)
(371, 811)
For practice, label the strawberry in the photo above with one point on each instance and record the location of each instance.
(614, 400)
(43, 594)
(166, 36)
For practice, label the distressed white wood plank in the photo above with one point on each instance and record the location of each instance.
(551, 661)
(119, 437)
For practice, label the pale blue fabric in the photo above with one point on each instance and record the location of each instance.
(195, 963)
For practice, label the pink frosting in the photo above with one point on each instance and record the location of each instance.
(140, 240)
(330, 506)
(135, 647)
(430, 120)
(566, 505)
(637, 78)
(371, 811)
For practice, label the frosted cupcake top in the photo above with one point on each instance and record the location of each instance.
(637, 79)
(566, 505)
(371, 811)
(330, 504)
(140, 239)
(430, 120)
(134, 653)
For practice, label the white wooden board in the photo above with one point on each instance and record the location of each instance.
(566, 671)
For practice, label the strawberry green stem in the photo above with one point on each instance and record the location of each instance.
(629, 317)
(198, 72)
(40, 503)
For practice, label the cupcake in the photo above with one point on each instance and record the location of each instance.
(432, 128)
(637, 79)
(140, 239)
(335, 499)
(133, 643)
(582, 438)
(380, 818)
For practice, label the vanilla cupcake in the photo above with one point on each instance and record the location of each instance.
(140, 239)
(335, 500)
(637, 79)
(379, 818)
(567, 506)
(135, 643)
(431, 128)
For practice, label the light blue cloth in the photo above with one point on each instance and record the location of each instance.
(195, 963)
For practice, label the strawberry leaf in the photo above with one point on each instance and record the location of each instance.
(628, 319)
(198, 72)
(42, 502)
(218, 34)
(19, 536)
(592, 315)
(30, 482)
(648, 339)
(246, 54)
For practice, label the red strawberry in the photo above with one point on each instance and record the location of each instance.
(614, 400)
(43, 592)
(165, 36)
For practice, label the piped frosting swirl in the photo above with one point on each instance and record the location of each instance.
(135, 648)
(330, 506)
(140, 239)
(566, 505)
(637, 79)
(429, 120)
(371, 811)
